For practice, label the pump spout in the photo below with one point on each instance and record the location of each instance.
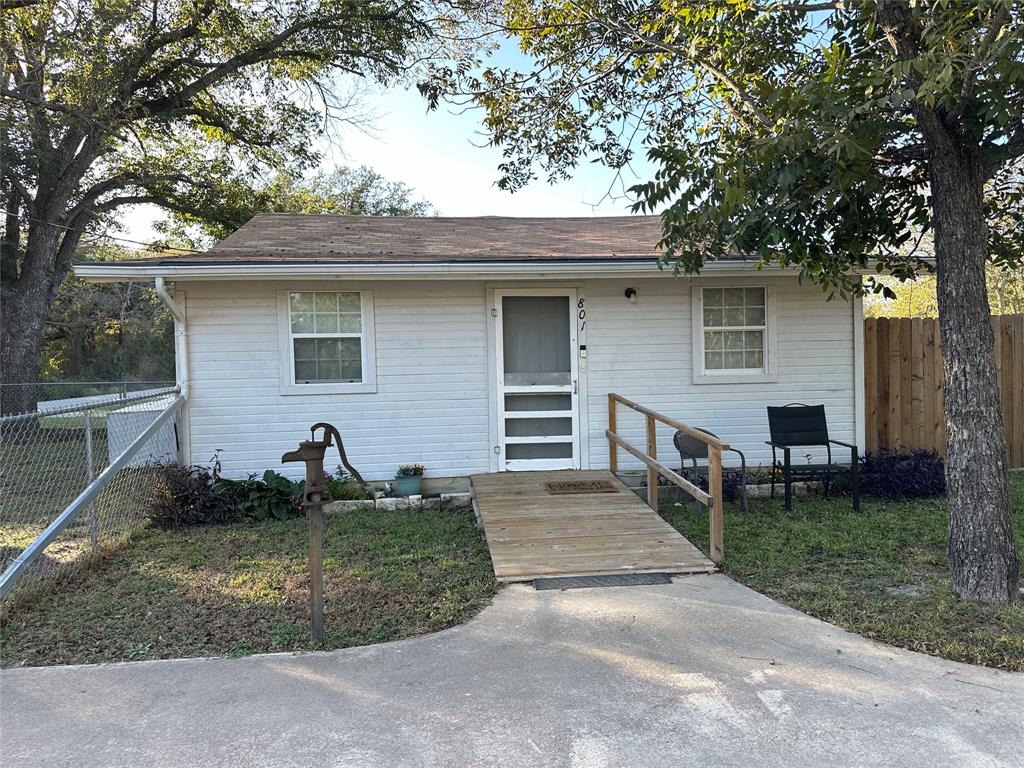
(330, 431)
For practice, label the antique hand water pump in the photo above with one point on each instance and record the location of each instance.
(312, 453)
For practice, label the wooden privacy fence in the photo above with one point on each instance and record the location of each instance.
(712, 499)
(903, 384)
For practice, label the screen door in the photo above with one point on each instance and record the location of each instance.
(537, 380)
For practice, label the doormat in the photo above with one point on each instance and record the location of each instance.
(581, 486)
(613, 580)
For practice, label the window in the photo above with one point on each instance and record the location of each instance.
(732, 335)
(327, 336)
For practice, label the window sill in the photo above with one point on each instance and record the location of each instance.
(363, 388)
(735, 377)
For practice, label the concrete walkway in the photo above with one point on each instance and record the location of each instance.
(702, 672)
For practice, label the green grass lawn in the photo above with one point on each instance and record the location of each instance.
(243, 588)
(882, 573)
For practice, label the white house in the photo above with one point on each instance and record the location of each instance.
(485, 344)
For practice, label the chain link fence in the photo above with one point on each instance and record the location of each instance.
(74, 479)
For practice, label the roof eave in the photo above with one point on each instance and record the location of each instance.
(113, 272)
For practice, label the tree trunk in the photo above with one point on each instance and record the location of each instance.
(24, 307)
(21, 336)
(982, 556)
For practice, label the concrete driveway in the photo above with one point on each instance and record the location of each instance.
(702, 672)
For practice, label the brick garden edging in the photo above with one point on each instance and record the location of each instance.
(446, 502)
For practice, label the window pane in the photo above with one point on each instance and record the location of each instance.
(328, 370)
(734, 316)
(733, 297)
(713, 297)
(734, 359)
(350, 306)
(305, 349)
(302, 302)
(351, 359)
(350, 324)
(328, 360)
(714, 361)
(733, 341)
(303, 322)
(726, 308)
(326, 312)
(712, 317)
(349, 302)
(305, 370)
(753, 316)
(327, 323)
(326, 303)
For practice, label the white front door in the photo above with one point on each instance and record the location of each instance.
(538, 379)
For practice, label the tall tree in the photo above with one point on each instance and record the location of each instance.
(106, 332)
(919, 298)
(344, 191)
(813, 134)
(172, 102)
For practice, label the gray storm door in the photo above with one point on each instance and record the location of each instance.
(538, 379)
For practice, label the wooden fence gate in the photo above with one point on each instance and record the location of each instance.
(903, 383)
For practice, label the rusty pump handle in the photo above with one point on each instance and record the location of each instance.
(330, 431)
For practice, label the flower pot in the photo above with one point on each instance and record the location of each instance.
(409, 486)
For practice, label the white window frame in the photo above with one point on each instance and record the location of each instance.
(287, 354)
(767, 373)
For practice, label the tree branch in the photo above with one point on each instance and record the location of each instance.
(675, 50)
(978, 61)
(56, 106)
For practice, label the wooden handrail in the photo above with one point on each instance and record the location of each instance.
(701, 435)
(671, 474)
(712, 499)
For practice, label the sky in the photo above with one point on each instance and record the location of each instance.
(442, 157)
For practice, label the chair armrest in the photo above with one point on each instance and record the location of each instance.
(777, 445)
(845, 445)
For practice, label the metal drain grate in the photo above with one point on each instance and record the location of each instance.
(613, 580)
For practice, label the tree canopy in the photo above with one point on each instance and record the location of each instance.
(344, 191)
(919, 298)
(180, 103)
(107, 331)
(788, 130)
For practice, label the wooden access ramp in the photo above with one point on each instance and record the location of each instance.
(534, 533)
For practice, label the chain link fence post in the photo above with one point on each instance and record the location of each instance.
(90, 475)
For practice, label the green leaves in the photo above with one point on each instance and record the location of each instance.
(176, 102)
(790, 136)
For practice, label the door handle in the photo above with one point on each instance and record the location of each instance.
(574, 388)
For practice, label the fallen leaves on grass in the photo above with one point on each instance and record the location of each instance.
(244, 588)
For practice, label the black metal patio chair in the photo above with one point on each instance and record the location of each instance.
(804, 426)
(691, 449)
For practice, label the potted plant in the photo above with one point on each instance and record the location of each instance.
(409, 480)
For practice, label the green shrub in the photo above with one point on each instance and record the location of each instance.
(341, 486)
(272, 496)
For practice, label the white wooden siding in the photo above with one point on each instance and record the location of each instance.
(431, 402)
(433, 386)
(643, 351)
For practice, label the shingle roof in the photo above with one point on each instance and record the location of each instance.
(281, 237)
